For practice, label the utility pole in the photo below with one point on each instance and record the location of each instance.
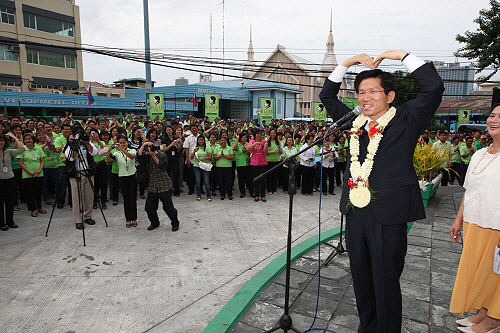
(147, 49)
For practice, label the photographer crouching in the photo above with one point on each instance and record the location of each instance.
(79, 168)
(159, 186)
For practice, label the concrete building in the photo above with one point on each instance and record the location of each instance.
(283, 66)
(29, 67)
(182, 81)
(458, 80)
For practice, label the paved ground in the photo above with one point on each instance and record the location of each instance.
(134, 280)
(427, 282)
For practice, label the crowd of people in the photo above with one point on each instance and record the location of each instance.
(202, 158)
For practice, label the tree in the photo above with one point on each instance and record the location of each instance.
(405, 87)
(483, 46)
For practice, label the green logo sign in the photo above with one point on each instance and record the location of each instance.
(463, 116)
(212, 106)
(319, 112)
(156, 106)
(266, 110)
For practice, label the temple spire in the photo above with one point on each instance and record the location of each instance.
(329, 43)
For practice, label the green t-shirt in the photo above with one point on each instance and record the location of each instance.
(480, 146)
(97, 157)
(51, 157)
(274, 157)
(60, 142)
(211, 149)
(464, 150)
(126, 166)
(341, 158)
(455, 155)
(32, 159)
(201, 153)
(114, 165)
(287, 153)
(223, 162)
(298, 146)
(14, 162)
(241, 156)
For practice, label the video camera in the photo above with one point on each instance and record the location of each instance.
(79, 134)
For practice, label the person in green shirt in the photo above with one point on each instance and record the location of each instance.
(273, 158)
(212, 145)
(51, 167)
(32, 162)
(223, 156)
(456, 160)
(287, 151)
(60, 143)
(242, 166)
(101, 171)
(466, 152)
(444, 147)
(482, 143)
(125, 158)
(342, 159)
(201, 154)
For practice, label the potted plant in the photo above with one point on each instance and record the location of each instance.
(428, 162)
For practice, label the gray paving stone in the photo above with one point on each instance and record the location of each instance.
(349, 297)
(411, 326)
(274, 293)
(346, 316)
(416, 290)
(418, 231)
(340, 329)
(446, 246)
(306, 304)
(419, 251)
(332, 289)
(439, 235)
(419, 241)
(302, 322)
(442, 288)
(441, 317)
(245, 328)
(298, 279)
(452, 257)
(416, 310)
(445, 267)
(305, 265)
(417, 269)
(335, 270)
(262, 315)
(436, 329)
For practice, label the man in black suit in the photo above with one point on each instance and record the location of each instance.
(376, 233)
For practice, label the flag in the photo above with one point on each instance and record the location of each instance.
(89, 95)
(193, 99)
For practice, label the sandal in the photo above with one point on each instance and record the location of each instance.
(42, 211)
(264, 200)
(49, 202)
(4, 228)
(134, 224)
(34, 214)
(256, 199)
(128, 224)
(14, 226)
(16, 208)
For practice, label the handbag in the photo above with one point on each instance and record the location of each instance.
(204, 165)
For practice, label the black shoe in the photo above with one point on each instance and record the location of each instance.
(79, 226)
(153, 226)
(175, 228)
(60, 205)
(89, 221)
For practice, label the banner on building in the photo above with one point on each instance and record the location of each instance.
(212, 107)
(319, 112)
(350, 102)
(156, 106)
(463, 117)
(266, 110)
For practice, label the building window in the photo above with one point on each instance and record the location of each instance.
(7, 15)
(50, 59)
(10, 84)
(48, 25)
(5, 54)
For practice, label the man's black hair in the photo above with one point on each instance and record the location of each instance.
(386, 79)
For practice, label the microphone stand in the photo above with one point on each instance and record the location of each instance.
(285, 322)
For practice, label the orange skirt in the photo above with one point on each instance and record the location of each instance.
(476, 285)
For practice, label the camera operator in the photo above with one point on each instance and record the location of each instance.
(159, 186)
(79, 154)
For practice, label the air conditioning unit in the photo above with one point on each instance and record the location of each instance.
(33, 86)
(13, 89)
(61, 88)
(14, 48)
(59, 92)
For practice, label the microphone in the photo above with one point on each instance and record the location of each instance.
(347, 117)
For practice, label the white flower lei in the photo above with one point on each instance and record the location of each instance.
(360, 195)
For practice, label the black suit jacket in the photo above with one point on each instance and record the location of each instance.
(398, 198)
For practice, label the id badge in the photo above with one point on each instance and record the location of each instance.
(34, 158)
(5, 170)
(126, 167)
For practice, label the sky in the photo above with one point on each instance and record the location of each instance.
(427, 28)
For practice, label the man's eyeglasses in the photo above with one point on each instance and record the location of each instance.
(369, 92)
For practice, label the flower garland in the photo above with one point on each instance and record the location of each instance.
(360, 194)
